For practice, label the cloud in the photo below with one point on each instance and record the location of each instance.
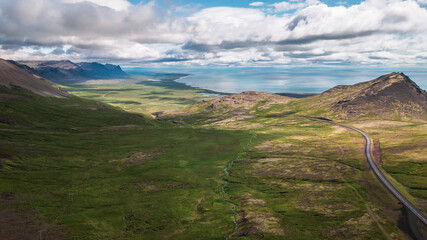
(58, 51)
(295, 32)
(292, 5)
(218, 26)
(53, 23)
(256, 4)
(118, 5)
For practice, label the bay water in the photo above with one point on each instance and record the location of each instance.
(281, 80)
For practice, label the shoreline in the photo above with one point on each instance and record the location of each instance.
(286, 94)
(171, 82)
(168, 80)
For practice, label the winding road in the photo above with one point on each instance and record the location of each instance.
(379, 174)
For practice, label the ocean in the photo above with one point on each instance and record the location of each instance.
(281, 80)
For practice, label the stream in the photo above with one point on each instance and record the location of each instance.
(227, 174)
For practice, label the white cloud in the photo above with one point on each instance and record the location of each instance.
(292, 5)
(217, 25)
(375, 31)
(256, 4)
(118, 5)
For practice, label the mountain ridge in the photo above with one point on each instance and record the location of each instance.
(98, 70)
(67, 71)
(13, 76)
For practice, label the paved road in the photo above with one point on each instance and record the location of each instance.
(379, 174)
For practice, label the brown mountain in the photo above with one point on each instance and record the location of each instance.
(389, 96)
(14, 76)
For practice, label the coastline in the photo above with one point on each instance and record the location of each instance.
(203, 90)
(170, 80)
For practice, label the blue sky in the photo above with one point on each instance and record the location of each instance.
(217, 33)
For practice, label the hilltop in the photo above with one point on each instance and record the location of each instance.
(388, 96)
(67, 71)
(13, 76)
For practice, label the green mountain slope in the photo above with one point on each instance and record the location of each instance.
(74, 168)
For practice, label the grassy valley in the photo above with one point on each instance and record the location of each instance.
(77, 168)
(99, 166)
(206, 120)
(143, 94)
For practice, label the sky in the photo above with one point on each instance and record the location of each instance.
(217, 33)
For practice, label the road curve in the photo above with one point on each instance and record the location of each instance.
(378, 172)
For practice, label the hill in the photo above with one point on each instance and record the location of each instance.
(67, 71)
(391, 95)
(232, 105)
(240, 103)
(13, 76)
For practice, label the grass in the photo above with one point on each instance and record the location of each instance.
(403, 155)
(295, 183)
(90, 170)
(402, 142)
(142, 94)
(70, 172)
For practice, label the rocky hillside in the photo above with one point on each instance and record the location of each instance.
(231, 105)
(242, 102)
(389, 96)
(66, 71)
(13, 76)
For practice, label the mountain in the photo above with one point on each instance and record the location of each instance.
(14, 76)
(55, 71)
(389, 96)
(67, 71)
(392, 96)
(97, 70)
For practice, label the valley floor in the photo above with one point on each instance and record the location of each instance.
(121, 176)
